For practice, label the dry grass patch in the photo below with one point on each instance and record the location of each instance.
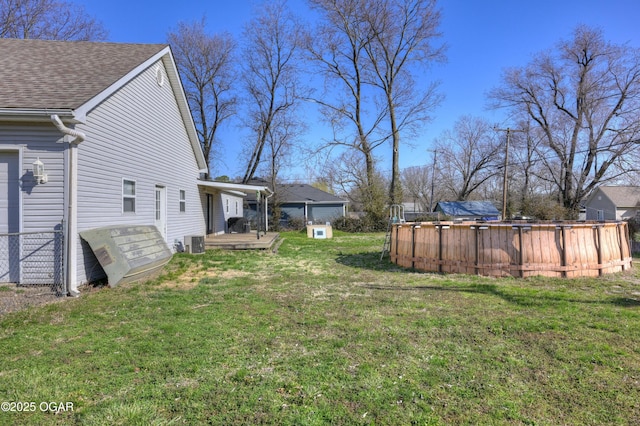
(194, 274)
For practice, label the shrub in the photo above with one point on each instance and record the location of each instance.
(364, 224)
(295, 224)
(634, 228)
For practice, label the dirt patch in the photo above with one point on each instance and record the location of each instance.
(190, 279)
(14, 298)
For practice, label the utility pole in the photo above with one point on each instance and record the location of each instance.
(505, 184)
(433, 173)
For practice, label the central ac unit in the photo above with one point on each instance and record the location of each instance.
(194, 244)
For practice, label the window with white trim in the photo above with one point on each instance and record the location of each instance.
(128, 196)
(236, 207)
(227, 205)
(158, 203)
(183, 201)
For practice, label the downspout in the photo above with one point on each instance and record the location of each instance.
(71, 236)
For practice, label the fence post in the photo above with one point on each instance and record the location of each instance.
(440, 249)
(521, 259)
(563, 258)
(477, 266)
(413, 247)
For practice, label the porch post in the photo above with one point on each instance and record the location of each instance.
(266, 214)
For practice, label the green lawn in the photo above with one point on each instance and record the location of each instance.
(324, 333)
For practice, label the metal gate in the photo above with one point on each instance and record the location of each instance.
(33, 259)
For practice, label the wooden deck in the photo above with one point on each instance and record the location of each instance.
(242, 241)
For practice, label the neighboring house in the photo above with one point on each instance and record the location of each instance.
(413, 211)
(468, 210)
(111, 125)
(613, 203)
(304, 202)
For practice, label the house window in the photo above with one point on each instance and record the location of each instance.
(236, 207)
(600, 214)
(183, 201)
(227, 205)
(128, 196)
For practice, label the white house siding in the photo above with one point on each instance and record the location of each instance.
(42, 203)
(136, 134)
(220, 213)
(231, 207)
(29, 259)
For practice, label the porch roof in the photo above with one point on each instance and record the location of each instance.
(240, 188)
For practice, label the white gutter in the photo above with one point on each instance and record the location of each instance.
(228, 186)
(33, 115)
(71, 235)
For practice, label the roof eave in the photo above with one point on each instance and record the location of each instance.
(231, 187)
(316, 202)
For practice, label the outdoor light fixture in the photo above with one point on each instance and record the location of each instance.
(38, 171)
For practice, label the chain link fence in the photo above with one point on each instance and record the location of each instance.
(33, 259)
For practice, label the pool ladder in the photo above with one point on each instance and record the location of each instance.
(396, 215)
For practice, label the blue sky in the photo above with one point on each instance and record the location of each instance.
(483, 38)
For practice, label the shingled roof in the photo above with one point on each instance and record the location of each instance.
(39, 74)
(299, 193)
(622, 196)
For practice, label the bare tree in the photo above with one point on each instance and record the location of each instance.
(347, 175)
(584, 99)
(271, 77)
(468, 156)
(205, 63)
(417, 182)
(48, 20)
(281, 140)
(528, 166)
(279, 145)
(403, 34)
(337, 46)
